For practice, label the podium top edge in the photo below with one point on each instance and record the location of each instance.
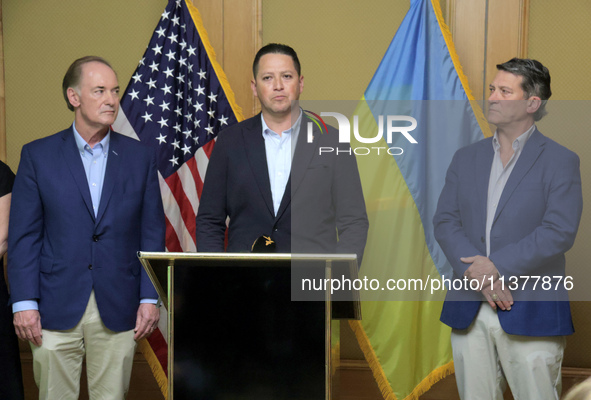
(245, 256)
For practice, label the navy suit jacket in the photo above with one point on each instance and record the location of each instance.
(323, 194)
(59, 251)
(536, 222)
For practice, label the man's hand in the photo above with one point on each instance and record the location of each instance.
(27, 325)
(482, 269)
(498, 296)
(147, 320)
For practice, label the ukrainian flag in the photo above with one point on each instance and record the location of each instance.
(406, 345)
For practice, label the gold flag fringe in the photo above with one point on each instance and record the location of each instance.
(463, 79)
(378, 373)
(372, 360)
(155, 366)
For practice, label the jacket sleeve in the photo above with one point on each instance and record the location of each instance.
(211, 217)
(25, 234)
(153, 225)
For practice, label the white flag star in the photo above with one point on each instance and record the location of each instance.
(163, 122)
(149, 100)
(154, 66)
(196, 139)
(201, 74)
(175, 20)
(161, 32)
(133, 94)
(166, 89)
(170, 55)
(147, 117)
(179, 94)
(136, 77)
(151, 83)
(174, 161)
(178, 111)
(176, 144)
(209, 129)
(157, 49)
(165, 14)
(198, 106)
(164, 106)
(182, 61)
(187, 134)
(183, 44)
(223, 120)
(168, 72)
(211, 113)
(181, 78)
(186, 149)
(200, 90)
(161, 139)
(173, 38)
(212, 97)
(177, 127)
(191, 50)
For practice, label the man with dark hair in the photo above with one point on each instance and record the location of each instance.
(509, 210)
(268, 180)
(85, 200)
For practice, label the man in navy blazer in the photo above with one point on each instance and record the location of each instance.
(85, 200)
(268, 178)
(510, 207)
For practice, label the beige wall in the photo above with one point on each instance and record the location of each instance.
(559, 34)
(339, 43)
(42, 38)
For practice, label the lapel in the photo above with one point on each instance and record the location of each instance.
(70, 153)
(302, 156)
(111, 173)
(254, 145)
(530, 153)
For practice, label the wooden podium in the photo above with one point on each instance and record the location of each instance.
(241, 327)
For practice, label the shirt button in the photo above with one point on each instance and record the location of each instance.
(90, 266)
(95, 238)
(93, 184)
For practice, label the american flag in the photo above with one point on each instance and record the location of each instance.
(177, 101)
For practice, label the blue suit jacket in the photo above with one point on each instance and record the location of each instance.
(323, 194)
(59, 251)
(535, 224)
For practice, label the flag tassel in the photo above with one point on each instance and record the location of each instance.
(378, 373)
(372, 360)
(155, 366)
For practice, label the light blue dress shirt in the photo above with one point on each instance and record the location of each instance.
(279, 151)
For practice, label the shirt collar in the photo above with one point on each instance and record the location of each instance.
(518, 143)
(294, 130)
(81, 143)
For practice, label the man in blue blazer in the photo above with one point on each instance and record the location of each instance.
(510, 207)
(85, 200)
(268, 178)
